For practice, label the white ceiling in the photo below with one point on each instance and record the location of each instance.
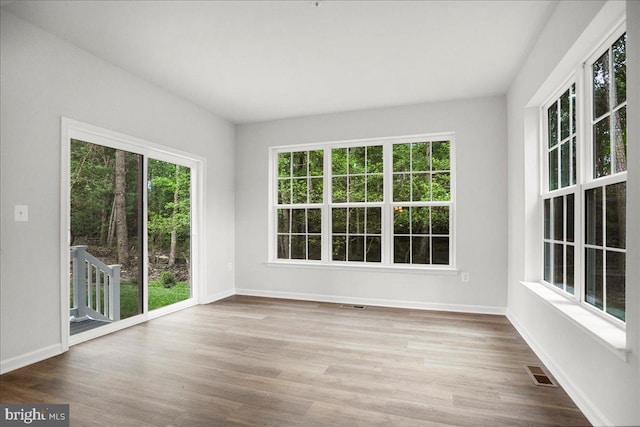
(251, 61)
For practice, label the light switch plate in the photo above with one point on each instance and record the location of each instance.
(21, 213)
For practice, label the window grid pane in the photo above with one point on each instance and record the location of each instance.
(561, 134)
(421, 178)
(605, 254)
(299, 233)
(356, 234)
(300, 177)
(558, 247)
(357, 174)
(609, 122)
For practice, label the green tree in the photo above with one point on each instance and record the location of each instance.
(169, 208)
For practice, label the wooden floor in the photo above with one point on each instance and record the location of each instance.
(257, 361)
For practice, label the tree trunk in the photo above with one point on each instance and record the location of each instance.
(104, 225)
(174, 226)
(120, 208)
(112, 225)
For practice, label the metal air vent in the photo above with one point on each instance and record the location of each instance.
(540, 376)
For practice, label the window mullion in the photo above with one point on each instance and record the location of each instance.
(604, 248)
(387, 211)
(326, 206)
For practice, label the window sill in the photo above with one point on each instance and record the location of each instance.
(364, 267)
(611, 336)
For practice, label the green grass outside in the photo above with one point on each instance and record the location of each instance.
(159, 296)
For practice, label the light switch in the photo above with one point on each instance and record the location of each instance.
(21, 213)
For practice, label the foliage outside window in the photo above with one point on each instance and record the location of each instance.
(559, 200)
(106, 189)
(357, 192)
(389, 202)
(300, 188)
(421, 197)
(605, 192)
(596, 274)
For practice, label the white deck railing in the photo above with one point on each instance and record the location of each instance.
(96, 287)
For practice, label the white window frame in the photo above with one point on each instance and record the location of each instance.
(72, 129)
(574, 188)
(331, 204)
(386, 205)
(589, 181)
(581, 76)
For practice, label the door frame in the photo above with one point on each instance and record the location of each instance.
(73, 129)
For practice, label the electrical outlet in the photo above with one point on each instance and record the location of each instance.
(21, 213)
(464, 276)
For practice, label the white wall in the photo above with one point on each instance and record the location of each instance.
(605, 387)
(42, 79)
(480, 128)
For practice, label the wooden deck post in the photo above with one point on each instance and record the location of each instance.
(114, 294)
(79, 259)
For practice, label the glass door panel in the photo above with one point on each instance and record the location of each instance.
(168, 233)
(105, 240)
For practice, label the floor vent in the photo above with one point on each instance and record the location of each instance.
(353, 306)
(540, 377)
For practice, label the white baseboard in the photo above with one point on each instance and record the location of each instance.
(216, 297)
(593, 414)
(461, 308)
(29, 358)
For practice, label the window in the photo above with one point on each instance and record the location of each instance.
(605, 191)
(357, 193)
(584, 191)
(384, 202)
(421, 202)
(559, 198)
(300, 191)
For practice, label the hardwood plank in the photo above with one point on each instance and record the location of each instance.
(259, 361)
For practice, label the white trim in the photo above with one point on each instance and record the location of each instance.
(365, 141)
(31, 357)
(459, 308)
(218, 296)
(145, 238)
(107, 329)
(364, 266)
(588, 408)
(122, 141)
(198, 231)
(610, 335)
(172, 308)
(65, 230)
(72, 129)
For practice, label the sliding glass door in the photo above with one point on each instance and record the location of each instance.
(130, 228)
